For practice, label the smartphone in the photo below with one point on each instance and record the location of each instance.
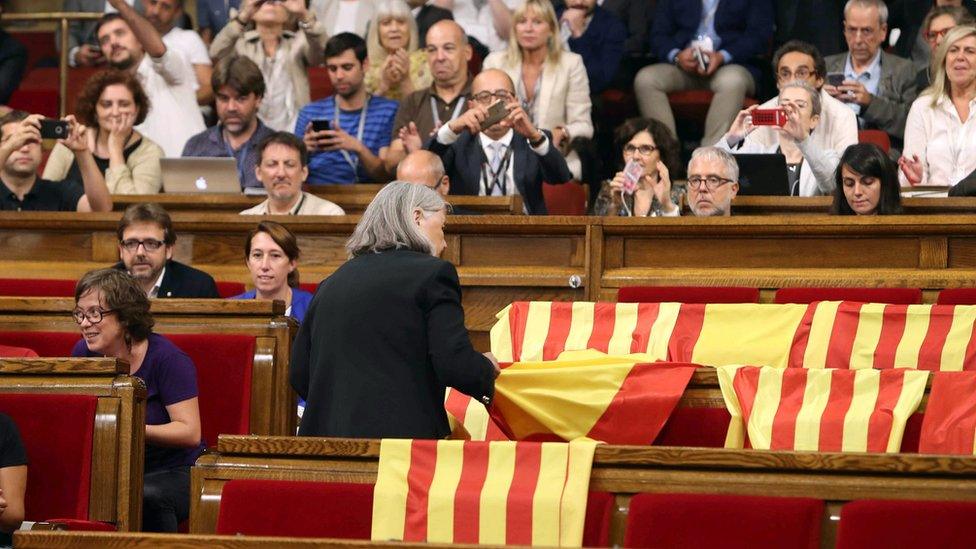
(632, 175)
(321, 125)
(52, 128)
(769, 117)
(496, 113)
(835, 78)
(701, 57)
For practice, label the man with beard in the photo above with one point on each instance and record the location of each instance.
(282, 168)
(597, 35)
(713, 181)
(239, 87)
(146, 240)
(359, 125)
(165, 16)
(131, 43)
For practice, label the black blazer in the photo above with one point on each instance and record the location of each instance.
(382, 339)
(184, 281)
(463, 160)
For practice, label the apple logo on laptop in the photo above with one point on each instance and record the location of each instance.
(201, 183)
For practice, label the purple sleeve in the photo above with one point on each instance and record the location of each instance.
(80, 349)
(176, 376)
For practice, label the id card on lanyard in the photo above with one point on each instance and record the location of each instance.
(354, 162)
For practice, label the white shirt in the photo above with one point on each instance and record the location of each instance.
(345, 20)
(308, 205)
(154, 292)
(278, 110)
(836, 131)
(174, 116)
(943, 142)
(475, 17)
(109, 8)
(190, 46)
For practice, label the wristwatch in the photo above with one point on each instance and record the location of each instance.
(538, 142)
(308, 22)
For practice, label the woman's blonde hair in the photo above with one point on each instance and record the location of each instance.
(544, 9)
(387, 9)
(388, 222)
(940, 79)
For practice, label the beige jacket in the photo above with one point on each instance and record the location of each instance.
(303, 49)
(140, 175)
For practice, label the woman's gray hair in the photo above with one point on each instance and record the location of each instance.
(715, 153)
(388, 222)
(815, 105)
(390, 9)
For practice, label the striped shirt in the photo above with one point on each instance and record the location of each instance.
(331, 166)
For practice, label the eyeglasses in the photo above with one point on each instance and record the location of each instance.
(94, 316)
(854, 31)
(932, 36)
(711, 182)
(644, 150)
(802, 73)
(150, 244)
(486, 97)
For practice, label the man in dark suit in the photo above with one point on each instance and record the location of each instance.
(146, 239)
(597, 35)
(711, 45)
(510, 156)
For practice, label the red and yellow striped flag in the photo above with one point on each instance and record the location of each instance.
(820, 410)
(613, 399)
(949, 426)
(500, 493)
(470, 419)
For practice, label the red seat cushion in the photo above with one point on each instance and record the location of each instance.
(296, 509)
(309, 287)
(906, 524)
(875, 137)
(57, 431)
(898, 296)
(694, 104)
(46, 344)
(230, 289)
(596, 526)
(224, 367)
(565, 199)
(957, 296)
(700, 427)
(40, 45)
(727, 521)
(687, 294)
(319, 84)
(7, 351)
(27, 287)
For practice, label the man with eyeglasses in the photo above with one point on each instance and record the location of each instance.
(511, 156)
(878, 87)
(713, 181)
(146, 240)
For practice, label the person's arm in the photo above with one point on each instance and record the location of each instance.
(141, 174)
(916, 140)
(823, 162)
(58, 164)
(13, 486)
(205, 92)
(315, 38)
(299, 368)
(666, 38)
(96, 198)
(183, 429)
(501, 18)
(226, 40)
(145, 33)
(609, 52)
(890, 112)
(579, 122)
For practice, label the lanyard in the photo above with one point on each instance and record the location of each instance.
(437, 116)
(354, 163)
(298, 207)
(497, 179)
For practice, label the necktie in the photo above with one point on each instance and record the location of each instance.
(497, 152)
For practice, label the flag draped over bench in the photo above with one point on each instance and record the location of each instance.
(820, 410)
(826, 334)
(515, 493)
(949, 426)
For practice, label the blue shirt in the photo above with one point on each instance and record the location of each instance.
(210, 143)
(331, 166)
(871, 78)
(214, 14)
(299, 302)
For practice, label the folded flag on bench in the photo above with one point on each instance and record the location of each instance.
(820, 410)
(949, 426)
(469, 418)
(514, 493)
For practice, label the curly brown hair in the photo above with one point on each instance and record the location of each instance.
(85, 108)
(667, 143)
(122, 295)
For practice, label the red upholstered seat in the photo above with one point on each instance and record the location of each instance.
(693, 104)
(596, 525)
(699, 427)
(40, 45)
(875, 137)
(906, 524)
(957, 296)
(566, 199)
(318, 82)
(7, 351)
(309, 286)
(57, 431)
(27, 287)
(230, 289)
(898, 296)
(688, 294)
(727, 521)
(46, 344)
(224, 368)
(296, 509)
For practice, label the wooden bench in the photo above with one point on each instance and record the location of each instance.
(98, 540)
(118, 433)
(820, 205)
(271, 400)
(622, 470)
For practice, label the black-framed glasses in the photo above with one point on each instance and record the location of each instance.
(801, 73)
(711, 182)
(94, 316)
(644, 150)
(486, 97)
(150, 244)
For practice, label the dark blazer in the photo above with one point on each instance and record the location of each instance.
(888, 110)
(818, 22)
(636, 14)
(463, 160)
(13, 62)
(601, 46)
(427, 16)
(382, 340)
(745, 27)
(183, 281)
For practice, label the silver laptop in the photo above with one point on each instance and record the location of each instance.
(200, 175)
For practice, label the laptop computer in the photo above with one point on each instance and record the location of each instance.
(200, 175)
(763, 175)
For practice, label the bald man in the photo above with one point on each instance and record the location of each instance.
(423, 111)
(511, 156)
(424, 168)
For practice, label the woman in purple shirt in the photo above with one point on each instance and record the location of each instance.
(113, 313)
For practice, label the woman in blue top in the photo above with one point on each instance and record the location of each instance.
(271, 254)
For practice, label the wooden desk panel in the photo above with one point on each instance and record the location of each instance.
(818, 205)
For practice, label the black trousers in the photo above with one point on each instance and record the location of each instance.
(165, 499)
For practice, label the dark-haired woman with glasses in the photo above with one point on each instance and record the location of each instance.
(112, 312)
(649, 144)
